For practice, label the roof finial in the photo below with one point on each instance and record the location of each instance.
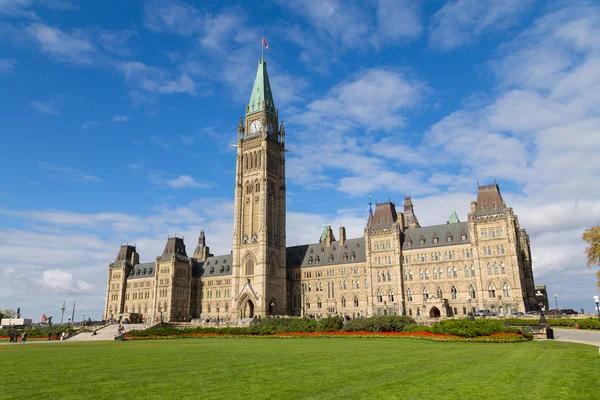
(370, 203)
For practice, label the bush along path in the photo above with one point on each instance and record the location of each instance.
(492, 331)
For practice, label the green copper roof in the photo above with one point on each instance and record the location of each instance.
(453, 218)
(261, 91)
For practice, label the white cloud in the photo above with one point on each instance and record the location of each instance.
(218, 29)
(89, 124)
(68, 173)
(160, 178)
(399, 20)
(156, 80)
(75, 47)
(7, 65)
(46, 107)
(373, 100)
(461, 22)
(24, 8)
(59, 281)
(175, 17)
(116, 42)
(120, 118)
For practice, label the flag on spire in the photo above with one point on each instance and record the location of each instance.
(265, 43)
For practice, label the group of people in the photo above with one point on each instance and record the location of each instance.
(14, 337)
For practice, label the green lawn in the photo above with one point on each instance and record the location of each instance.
(319, 368)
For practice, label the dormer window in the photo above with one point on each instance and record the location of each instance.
(310, 260)
(435, 240)
(317, 260)
(463, 237)
(449, 238)
(421, 241)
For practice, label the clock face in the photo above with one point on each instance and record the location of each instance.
(270, 129)
(255, 127)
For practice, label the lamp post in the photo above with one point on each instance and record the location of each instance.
(556, 299)
(540, 295)
(83, 322)
(597, 301)
(471, 316)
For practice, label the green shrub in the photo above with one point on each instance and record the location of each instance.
(386, 323)
(329, 324)
(467, 328)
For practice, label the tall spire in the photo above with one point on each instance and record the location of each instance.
(261, 92)
(410, 218)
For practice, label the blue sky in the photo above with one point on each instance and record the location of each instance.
(116, 120)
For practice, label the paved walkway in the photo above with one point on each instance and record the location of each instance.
(578, 336)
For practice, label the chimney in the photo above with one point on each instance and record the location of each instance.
(329, 238)
(342, 237)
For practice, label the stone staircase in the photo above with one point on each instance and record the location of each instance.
(109, 332)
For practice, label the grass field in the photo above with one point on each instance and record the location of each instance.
(319, 368)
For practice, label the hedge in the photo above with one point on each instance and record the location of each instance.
(386, 323)
(584, 323)
(38, 332)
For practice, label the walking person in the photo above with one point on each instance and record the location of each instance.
(10, 336)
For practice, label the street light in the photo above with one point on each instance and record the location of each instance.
(597, 301)
(540, 296)
(471, 316)
(556, 299)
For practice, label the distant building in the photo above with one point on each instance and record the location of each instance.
(397, 267)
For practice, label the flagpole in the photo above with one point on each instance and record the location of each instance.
(262, 50)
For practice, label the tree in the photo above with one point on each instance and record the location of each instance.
(8, 313)
(592, 253)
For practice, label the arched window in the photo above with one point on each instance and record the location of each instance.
(379, 296)
(455, 272)
(427, 273)
(441, 273)
(218, 307)
(449, 273)
(489, 251)
(389, 275)
(503, 268)
(491, 290)
(489, 269)
(420, 274)
(498, 249)
(319, 304)
(209, 308)
(344, 302)
(454, 293)
(440, 294)
(378, 276)
(435, 275)
(472, 292)
(472, 270)
(410, 275)
(391, 296)
(506, 289)
(502, 249)
(425, 294)
(384, 278)
(249, 267)
(466, 271)
(307, 303)
(409, 294)
(257, 187)
(355, 301)
(496, 270)
(484, 251)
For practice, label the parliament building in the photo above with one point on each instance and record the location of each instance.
(397, 267)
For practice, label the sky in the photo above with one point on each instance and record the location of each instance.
(116, 119)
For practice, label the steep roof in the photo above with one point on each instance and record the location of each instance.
(125, 253)
(214, 266)
(175, 246)
(144, 270)
(261, 91)
(453, 218)
(414, 236)
(385, 216)
(489, 200)
(410, 218)
(319, 255)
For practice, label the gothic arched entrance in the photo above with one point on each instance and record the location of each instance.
(435, 312)
(248, 309)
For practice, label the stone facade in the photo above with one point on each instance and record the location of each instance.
(397, 267)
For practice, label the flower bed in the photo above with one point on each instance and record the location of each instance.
(502, 337)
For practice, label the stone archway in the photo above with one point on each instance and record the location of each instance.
(435, 312)
(247, 309)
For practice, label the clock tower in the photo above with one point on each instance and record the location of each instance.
(259, 259)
